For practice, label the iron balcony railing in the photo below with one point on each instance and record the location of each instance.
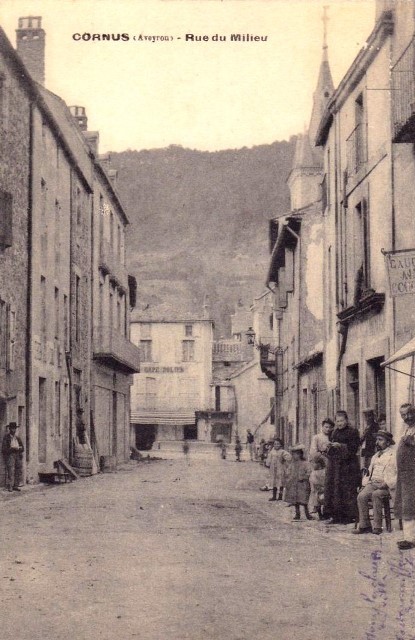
(356, 148)
(403, 96)
(116, 350)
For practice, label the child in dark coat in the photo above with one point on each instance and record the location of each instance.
(298, 485)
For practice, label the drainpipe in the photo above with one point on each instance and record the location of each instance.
(297, 237)
(29, 290)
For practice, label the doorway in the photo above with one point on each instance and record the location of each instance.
(190, 432)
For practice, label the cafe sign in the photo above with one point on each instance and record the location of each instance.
(401, 271)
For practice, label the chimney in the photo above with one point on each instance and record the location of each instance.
(30, 44)
(92, 137)
(382, 6)
(104, 159)
(206, 306)
(79, 115)
(113, 174)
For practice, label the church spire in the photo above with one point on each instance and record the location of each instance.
(325, 86)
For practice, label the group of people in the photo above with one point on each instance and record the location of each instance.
(334, 485)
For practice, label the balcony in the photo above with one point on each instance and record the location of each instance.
(356, 149)
(267, 361)
(115, 350)
(110, 263)
(403, 96)
(370, 302)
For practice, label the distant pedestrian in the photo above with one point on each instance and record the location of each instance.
(223, 450)
(277, 462)
(12, 449)
(262, 452)
(186, 451)
(238, 449)
(250, 440)
(298, 486)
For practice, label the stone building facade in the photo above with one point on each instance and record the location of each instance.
(174, 379)
(60, 340)
(369, 182)
(15, 209)
(295, 278)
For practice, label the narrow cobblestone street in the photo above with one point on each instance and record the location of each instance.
(167, 550)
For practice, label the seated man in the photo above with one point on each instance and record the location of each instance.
(381, 480)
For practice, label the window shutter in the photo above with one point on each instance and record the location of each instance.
(11, 338)
(6, 219)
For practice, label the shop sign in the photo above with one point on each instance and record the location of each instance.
(162, 369)
(401, 271)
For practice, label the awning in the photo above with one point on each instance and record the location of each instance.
(406, 351)
(172, 418)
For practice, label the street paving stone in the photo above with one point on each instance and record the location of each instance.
(163, 550)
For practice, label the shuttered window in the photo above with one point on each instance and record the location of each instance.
(6, 219)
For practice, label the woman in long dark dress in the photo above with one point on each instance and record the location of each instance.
(342, 473)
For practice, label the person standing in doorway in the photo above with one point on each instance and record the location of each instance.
(342, 473)
(368, 440)
(12, 449)
(405, 484)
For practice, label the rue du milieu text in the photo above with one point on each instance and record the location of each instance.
(234, 37)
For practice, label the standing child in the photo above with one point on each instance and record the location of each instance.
(277, 461)
(317, 477)
(298, 485)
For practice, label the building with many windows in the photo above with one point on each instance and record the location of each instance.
(369, 169)
(174, 379)
(65, 292)
(15, 153)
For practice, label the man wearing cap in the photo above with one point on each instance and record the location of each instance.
(12, 449)
(381, 480)
(405, 486)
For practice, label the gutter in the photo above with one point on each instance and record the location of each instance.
(29, 288)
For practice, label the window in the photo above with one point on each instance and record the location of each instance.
(11, 339)
(57, 319)
(3, 101)
(145, 350)
(376, 386)
(352, 380)
(65, 320)
(361, 250)
(43, 326)
(6, 219)
(3, 334)
(188, 347)
(57, 408)
(188, 330)
(151, 393)
(57, 235)
(145, 331)
(272, 407)
(78, 206)
(356, 142)
(77, 307)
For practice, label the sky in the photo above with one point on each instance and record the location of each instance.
(205, 95)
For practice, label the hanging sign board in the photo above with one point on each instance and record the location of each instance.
(401, 271)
